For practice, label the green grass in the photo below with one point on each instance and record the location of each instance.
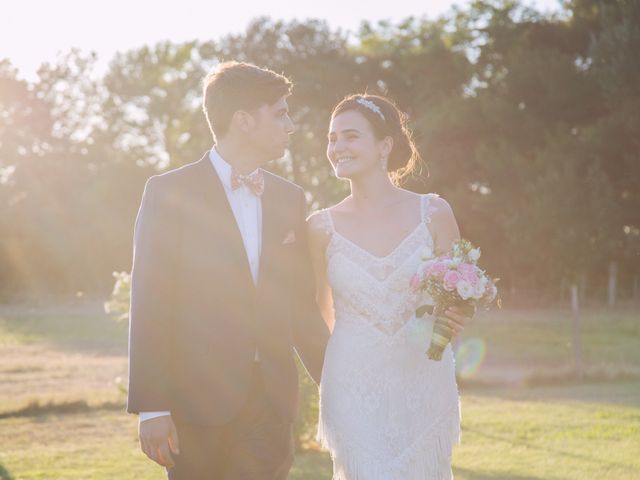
(585, 432)
(535, 344)
(80, 328)
(95, 445)
(60, 357)
(561, 432)
(564, 431)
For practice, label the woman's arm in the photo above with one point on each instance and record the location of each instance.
(318, 239)
(445, 231)
(443, 226)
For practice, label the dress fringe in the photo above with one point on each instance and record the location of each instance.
(429, 458)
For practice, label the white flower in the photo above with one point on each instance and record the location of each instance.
(479, 291)
(455, 261)
(427, 253)
(465, 290)
(474, 255)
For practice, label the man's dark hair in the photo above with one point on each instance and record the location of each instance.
(234, 86)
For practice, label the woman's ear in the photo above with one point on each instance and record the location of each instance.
(386, 145)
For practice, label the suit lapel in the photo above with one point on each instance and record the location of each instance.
(225, 227)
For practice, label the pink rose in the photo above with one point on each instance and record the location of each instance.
(451, 279)
(469, 273)
(438, 269)
(466, 267)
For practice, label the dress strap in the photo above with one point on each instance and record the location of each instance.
(426, 206)
(327, 221)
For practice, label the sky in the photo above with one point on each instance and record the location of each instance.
(34, 31)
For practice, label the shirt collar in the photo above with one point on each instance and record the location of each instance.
(222, 167)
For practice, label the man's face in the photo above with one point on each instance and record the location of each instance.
(270, 133)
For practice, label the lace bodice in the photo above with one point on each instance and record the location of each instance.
(373, 289)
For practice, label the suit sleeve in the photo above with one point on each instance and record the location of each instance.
(151, 302)
(310, 331)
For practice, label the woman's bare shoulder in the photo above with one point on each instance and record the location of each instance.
(317, 222)
(440, 208)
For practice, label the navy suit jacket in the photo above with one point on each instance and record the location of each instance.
(197, 317)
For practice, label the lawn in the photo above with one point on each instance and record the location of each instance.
(61, 400)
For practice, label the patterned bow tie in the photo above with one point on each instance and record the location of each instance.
(253, 181)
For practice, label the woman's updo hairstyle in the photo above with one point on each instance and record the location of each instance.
(387, 120)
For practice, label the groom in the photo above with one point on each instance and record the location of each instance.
(222, 292)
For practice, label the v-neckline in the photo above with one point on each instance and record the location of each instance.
(373, 255)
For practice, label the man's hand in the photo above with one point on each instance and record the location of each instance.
(457, 318)
(158, 439)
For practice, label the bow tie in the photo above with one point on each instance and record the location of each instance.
(253, 181)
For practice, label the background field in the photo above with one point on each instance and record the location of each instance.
(63, 372)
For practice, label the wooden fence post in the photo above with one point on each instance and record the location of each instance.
(577, 341)
(613, 273)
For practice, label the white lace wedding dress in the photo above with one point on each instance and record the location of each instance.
(386, 411)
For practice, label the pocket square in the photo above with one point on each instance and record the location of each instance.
(290, 238)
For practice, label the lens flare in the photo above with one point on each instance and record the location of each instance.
(469, 357)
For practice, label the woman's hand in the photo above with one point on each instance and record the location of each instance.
(457, 318)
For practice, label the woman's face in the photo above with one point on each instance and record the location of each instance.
(353, 149)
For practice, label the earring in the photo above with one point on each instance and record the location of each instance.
(385, 164)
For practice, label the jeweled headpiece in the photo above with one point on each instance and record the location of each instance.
(371, 106)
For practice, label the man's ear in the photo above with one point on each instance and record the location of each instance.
(242, 121)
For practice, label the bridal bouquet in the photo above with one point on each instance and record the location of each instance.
(452, 280)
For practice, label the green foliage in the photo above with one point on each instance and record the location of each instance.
(528, 125)
(118, 304)
(305, 426)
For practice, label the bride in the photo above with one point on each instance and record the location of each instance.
(386, 411)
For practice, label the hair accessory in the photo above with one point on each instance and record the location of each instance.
(371, 106)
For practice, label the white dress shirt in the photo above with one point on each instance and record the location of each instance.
(247, 210)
